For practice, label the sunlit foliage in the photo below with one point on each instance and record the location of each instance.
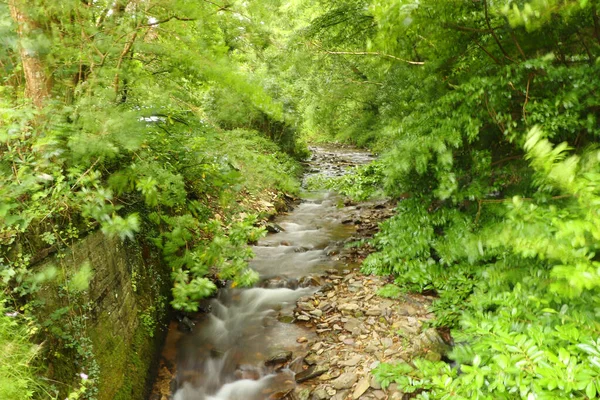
(486, 116)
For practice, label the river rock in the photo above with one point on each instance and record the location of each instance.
(348, 307)
(374, 312)
(306, 306)
(320, 393)
(430, 341)
(302, 394)
(374, 383)
(186, 324)
(286, 316)
(341, 395)
(312, 372)
(407, 310)
(352, 361)
(361, 388)
(297, 365)
(279, 357)
(308, 281)
(311, 359)
(345, 381)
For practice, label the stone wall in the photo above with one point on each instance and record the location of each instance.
(122, 314)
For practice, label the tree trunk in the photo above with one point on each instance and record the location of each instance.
(37, 82)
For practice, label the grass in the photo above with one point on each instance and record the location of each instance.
(17, 374)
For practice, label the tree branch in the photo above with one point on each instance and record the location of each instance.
(169, 19)
(126, 50)
(487, 52)
(527, 97)
(514, 38)
(487, 21)
(596, 23)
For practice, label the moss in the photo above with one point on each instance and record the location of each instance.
(111, 355)
(141, 359)
(101, 327)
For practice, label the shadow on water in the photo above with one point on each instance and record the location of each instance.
(228, 353)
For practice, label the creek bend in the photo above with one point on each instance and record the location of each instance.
(233, 350)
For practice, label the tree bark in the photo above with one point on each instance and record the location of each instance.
(37, 82)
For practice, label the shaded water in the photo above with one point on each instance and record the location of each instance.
(223, 357)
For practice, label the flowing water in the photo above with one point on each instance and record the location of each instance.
(226, 354)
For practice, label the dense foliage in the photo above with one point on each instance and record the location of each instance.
(153, 121)
(486, 114)
(165, 119)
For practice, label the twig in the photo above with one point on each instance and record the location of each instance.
(506, 159)
(487, 52)
(169, 19)
(493, 114)
(126, 50)
(84, 174)
(514, 37)
(366, 82)
(527, 97)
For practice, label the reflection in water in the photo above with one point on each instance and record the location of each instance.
(224, 357)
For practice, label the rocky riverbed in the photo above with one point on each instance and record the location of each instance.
(356, 329)
(315, 326)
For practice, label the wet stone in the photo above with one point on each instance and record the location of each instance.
(308, 281)
(273, 228)
(279, 357)
(311, 372)
(286, 316)
(297, 365)
(306, 306)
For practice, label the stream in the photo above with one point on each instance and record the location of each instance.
(236, 350)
